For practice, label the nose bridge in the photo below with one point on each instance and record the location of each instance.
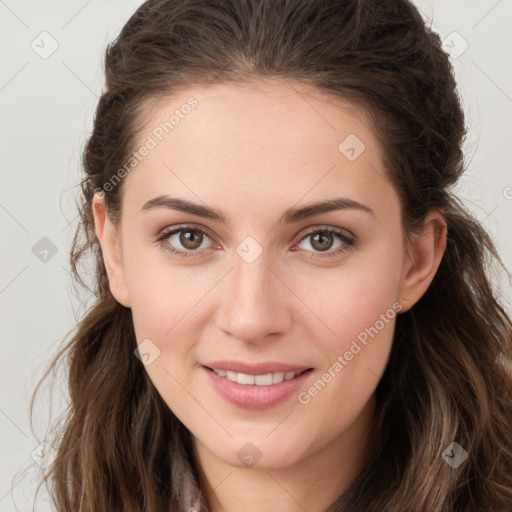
(255, 303)
(252, 281)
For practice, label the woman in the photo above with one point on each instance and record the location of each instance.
(292, 310)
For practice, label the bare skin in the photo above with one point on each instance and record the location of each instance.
(253, 152)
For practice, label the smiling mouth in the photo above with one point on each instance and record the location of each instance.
(267, 379)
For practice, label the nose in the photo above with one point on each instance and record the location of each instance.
(256, 304)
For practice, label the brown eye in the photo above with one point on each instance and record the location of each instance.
(185, 241)
(191, 238)
(322, 240)
(326, 242)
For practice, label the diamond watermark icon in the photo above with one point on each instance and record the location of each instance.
(454, 455)
(147, 351)
(249, 249)
(45, 45)
(44, 250)
(44, 454)
(455, 45)
(351, 147)
(249, 455)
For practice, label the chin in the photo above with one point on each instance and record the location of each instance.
(259, 455)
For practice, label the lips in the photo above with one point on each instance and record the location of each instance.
(257, 385)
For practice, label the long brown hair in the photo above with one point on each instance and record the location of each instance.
(448, 379)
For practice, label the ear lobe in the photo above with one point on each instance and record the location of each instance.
(425, 256)
(110, 242)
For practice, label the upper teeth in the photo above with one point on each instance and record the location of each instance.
(259, 380)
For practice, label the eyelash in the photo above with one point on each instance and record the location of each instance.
(166, 233)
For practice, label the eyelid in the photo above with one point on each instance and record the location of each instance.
(340, 231)
(169, 230)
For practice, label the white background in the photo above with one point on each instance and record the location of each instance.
(47, 107)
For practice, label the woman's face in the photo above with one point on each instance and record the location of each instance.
(268, 330)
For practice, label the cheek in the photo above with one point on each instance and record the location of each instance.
(358, 340)
(355, 310)
(165, 303)
(353, 297)
(162, 293)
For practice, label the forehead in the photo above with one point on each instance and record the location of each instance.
(262, 109)
(260, 140)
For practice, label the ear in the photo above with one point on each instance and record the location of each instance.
(110, 241)
(423, 260)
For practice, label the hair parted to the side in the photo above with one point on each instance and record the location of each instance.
(120, 447)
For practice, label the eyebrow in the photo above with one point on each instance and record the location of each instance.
(289, 216)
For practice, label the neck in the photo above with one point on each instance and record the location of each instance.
(313, 483)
